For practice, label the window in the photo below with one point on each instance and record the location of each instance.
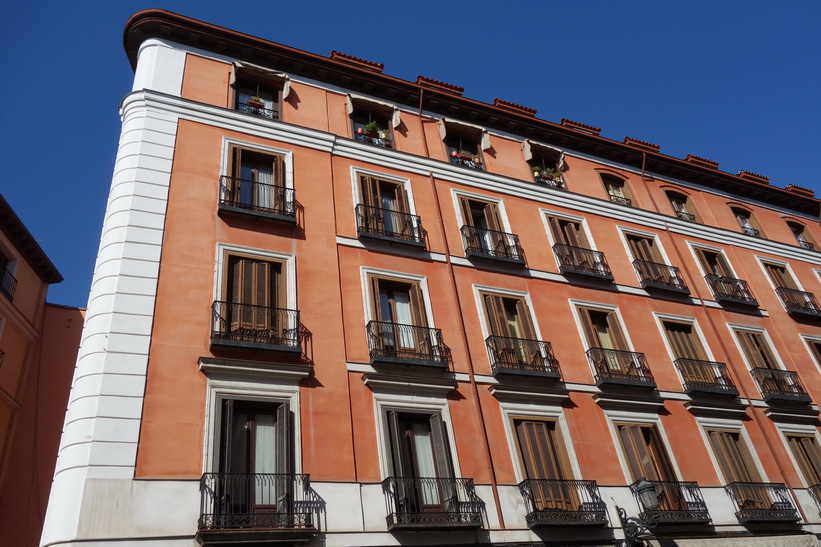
(643, 248)
(713, 262)
(681, 206)
(815, 349)
(8, 283)
(257, 183)
(617, 189)
(568, 232)
(733, 457)
(602, 329)
(692, 361)
(808, 456)
(397, 301)
(609, 352)
(650, 267)
(796, 301)
(645, 453)
(747, 222)
(253, 306)
(756, 349)
(258, 92)
(545, 462)
(508, 316)
(482, 231)
(372, 121)
(464, 142)
(803, 237)
(512, 342)
(719, 278)
(384, 211)
(684, 341)
(573, 250)
(779, 276)
(546, 163)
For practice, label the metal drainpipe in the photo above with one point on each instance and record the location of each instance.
(740, 386)
(474, 389)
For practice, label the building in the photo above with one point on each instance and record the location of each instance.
(38, 347)
(339, 308)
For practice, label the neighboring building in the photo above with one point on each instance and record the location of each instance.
(336, 307)
(31, 347)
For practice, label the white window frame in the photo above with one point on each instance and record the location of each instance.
(365, 272)
(574, 306)
(802, 430)
(564, 216)
(357, 196)
(736, 426)
(412, 404)
(775, 262)
(806, 338)
(734, 327)
(288, 155)
(242, 388)
(693, 246)
(625, 231)
(638, 418)
(661, 317)
(288, 260)
(456, 194)
(480, 308)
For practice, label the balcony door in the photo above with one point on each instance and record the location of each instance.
(420, 458)
(780, 277)
(647, 459)
(388, 207)
(808, 457)
(257, 181)
(484, 217)
(255, 290)
(399, 307)
(602, 330)
(713, 262)
(737, 465)
(255, 458)
(509, 321)
(756, 350)
(686, 345)
(567, 232)
(545, 460)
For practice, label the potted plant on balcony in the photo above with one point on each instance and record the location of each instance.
(372, 129)
(256, 102)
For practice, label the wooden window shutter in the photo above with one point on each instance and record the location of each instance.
(400, 454)
(444, 468)
(540, 454)
(721, 266)
(467, 215)
(525, 322)
(225, 435)
(417, 303)
(614, 329)
(284, 447)
(684, 342)
(492, 217)
(401, 198)
(376, 308)
(780, 277)
(756, 349)
(589, 329)
(643, 248)
(735, 462)
(557, 231)
(496, 315)
(661, 462)
(639, 460)
(369, 191)
(575, 235)
(808, 457)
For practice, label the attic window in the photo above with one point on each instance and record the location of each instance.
(545, 163)
(258, 90)
(464, 143)
(372, 121)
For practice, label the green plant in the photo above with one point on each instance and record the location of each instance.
(372, 127)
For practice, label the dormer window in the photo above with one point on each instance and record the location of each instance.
(258, 90)
(802, 236)
(464, 143)
(372, 121)
(681, 206)
(747, 222)
(545, 162)
(617, 189)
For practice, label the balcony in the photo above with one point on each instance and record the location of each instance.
(815, 492)
(522, 356)
(752, 232)
(256, 198)
(660, 276)
(621, 200)
(255, 327)
(492, 244)
(559, 502)
(615, 366)
(465, 159)
(762, 502)
(2, 355)
(257, 109)
(799, 303)
(806, 245)
(254, 507)
(577, 260)
(552, 178)
(406, 344)
(376, 138)
(389, 225)
(729, 289)
(686, 216)
(780, 385)
(705, 377)
(678, 503)
(8, 285)
(427, 503)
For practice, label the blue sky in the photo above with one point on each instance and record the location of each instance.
(733, 81)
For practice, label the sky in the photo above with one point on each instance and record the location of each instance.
(733, 81)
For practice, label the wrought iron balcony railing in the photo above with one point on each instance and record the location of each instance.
(522, 356)
(806, 245)
(730, 289)
(396, 343)
(660, 276)
(799, 302)
(615, 366)
(247, 195)
(384, 142)
(389, 224)
(559, 502)
(9, 284)
(582, 261)
(686, 216)
(550, 181)
(470, 162)
(252, 108)
(750, 231)
(815, 492)
(678, 503)
(424, 503)
(259, 327)
(492, 244)
(705, 376)
(255, 500)
(780, 385)
(621, 200)
(762, 502)
(2, 354)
